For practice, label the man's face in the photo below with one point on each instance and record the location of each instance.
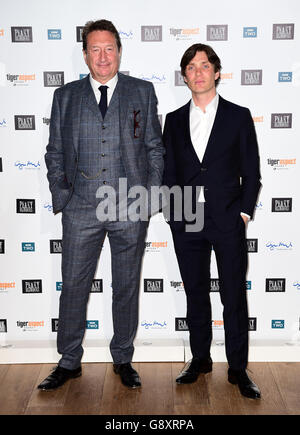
(200, 75)
(102, 55)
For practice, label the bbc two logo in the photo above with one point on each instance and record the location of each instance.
(28, 247)
(250, 32)
(285, 77)
(54, 34)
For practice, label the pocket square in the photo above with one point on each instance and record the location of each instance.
(136, 123)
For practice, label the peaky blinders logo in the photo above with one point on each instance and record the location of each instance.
(252, 245)
(97, 286)
(55, 246)
(153, 285)
(24, 122)
(281, 120)
(30, 286)
(276, 285)
(26, 206)
(181, 324)
(281, 205)
(53, 79)
(3, 325)
(21, 34)
(251, 77)
(217, 32)
(283, 31)
(252, 324)
(151, 33)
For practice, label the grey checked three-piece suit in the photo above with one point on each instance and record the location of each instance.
(84, 153)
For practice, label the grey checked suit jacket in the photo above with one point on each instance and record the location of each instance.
(140, 135)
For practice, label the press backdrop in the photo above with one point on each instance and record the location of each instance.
(40, 50)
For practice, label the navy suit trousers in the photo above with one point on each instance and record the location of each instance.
(193, 252)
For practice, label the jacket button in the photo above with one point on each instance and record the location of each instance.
(203, 169)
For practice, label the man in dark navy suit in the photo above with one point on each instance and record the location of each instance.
(211, 142)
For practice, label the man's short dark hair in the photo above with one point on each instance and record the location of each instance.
(190, 53)
(101, 25)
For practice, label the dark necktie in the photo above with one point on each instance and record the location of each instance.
(103, 100)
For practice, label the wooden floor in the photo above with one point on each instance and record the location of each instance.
(99, 391)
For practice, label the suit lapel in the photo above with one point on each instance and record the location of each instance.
(182, 126)
(88, 97)
(76, 104)
(185, 127)
(83, 96)
(123, 99)
(186, 132)
(215, 142)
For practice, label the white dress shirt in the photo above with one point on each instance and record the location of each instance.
(111, 87)
(200, 127)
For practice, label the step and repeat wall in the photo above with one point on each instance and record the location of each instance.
(41, 49)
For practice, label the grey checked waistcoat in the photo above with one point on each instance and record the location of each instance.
(99, 156)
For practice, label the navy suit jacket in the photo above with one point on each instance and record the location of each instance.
(229, 171)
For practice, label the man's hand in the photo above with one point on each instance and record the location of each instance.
(245, 219)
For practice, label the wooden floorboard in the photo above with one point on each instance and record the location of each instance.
(16, 388)
(288, 381)
(99, 391)
(192, 399)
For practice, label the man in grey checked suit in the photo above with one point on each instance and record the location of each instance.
(90, 146)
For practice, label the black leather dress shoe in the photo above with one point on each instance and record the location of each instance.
(247, 387)
(192, 370)
(129, 376)
(58, 377)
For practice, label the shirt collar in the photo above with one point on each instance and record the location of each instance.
(211, 107)
(111, 83)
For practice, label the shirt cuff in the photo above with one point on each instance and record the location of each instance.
(245, 214)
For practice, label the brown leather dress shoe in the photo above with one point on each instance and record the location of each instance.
(247, 387)
(58, 377)
(129, 376)
(192, 370)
